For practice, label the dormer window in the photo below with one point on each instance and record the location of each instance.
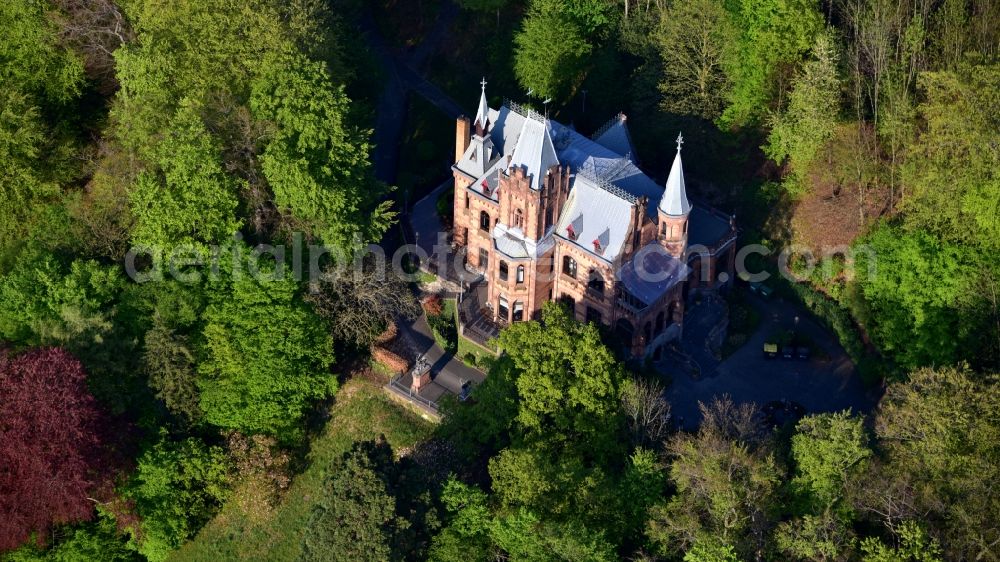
(597, 246)
(570, 232)
(486, 188)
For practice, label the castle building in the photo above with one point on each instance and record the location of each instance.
(545, 213)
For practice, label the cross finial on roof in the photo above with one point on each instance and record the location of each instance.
(680, 141)
(483, 83)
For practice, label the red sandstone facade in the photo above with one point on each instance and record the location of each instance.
(547, 214)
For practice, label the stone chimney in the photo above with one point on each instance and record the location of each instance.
(463, 136)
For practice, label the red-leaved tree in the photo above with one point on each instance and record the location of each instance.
(51, 451)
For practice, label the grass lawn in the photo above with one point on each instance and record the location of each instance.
(361, 412)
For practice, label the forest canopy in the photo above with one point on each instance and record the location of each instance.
(227, 399)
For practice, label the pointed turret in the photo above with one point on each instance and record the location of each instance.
(481, 146)
(674, 208)
(483, 114)
(675, 202)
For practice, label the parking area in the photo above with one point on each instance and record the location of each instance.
(825, 382)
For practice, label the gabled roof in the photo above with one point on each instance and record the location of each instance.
(614, 136)
(675, 202)
(595, 213)
(534, 151)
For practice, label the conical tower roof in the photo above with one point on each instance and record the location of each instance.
(483, 114)
(674, 201)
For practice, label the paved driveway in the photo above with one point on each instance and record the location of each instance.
(820, 385)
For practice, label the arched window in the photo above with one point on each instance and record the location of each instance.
(518, 218)
(484, 220)
(659, 323)
(647, 332)
(569, 266)
(503, 270)
(596, 282)
(518, 311)
(520, 274)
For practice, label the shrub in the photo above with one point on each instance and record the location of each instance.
(177, 488)
(394, 362)
(390, 333)
(433, 305)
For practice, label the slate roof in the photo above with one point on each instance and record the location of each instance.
(614, 135)
(534, 151)
(605, 183)
(595, 213)
(675, 201)
(705, 227)
(652, 272)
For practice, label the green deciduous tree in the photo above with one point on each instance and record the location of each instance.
(97, 540)
(551, 51)
(773, 36)
(829, 451)
(46, 302)
(694, 40)
(31, 57)
(264, 356)
(356, 517)
(316, 165)
(726, 482)
(914, 284)
(940, 431)
(952, 171)
(190, 202)
(568, 383)
(799, 132)
(914, 546)
(176, 488)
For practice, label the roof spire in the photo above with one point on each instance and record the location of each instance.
(675, 202)
(482, 116)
